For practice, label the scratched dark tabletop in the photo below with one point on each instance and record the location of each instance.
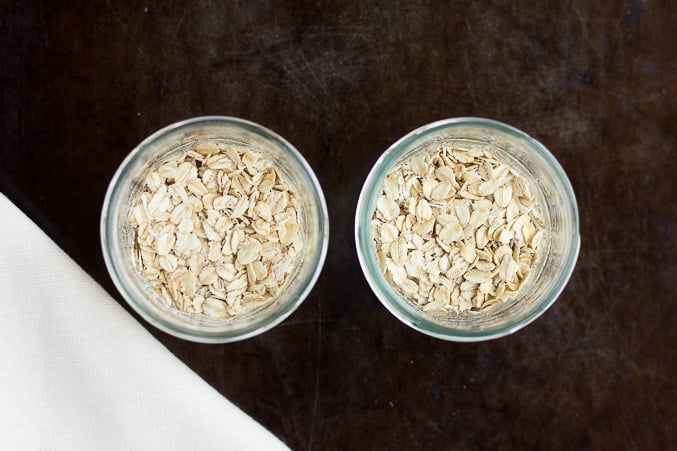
(84, 82)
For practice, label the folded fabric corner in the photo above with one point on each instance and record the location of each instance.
(80, 373)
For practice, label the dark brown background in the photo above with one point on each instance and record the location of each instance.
(84, 82)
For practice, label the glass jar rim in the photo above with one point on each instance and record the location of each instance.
(143, 306)
(386, 293)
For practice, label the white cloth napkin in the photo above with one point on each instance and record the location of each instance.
(77, 372)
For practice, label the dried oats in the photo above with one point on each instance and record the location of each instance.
(456, 229)
(217, 230)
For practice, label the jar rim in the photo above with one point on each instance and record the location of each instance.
(145, 307)
(386, 294)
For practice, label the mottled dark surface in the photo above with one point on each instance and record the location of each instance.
(84, 82)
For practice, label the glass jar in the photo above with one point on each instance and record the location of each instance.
(117, 234)
(558, 249)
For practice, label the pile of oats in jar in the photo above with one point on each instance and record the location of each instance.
(216, 231)
(456, 230)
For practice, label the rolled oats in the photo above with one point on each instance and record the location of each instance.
(216, 230)
(456, 229)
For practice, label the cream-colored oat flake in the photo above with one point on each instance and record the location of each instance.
(456, 230)
(216, 230)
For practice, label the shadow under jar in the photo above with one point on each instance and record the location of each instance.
(170, 143)
(557, 252)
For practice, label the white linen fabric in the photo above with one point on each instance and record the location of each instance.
(77, 371)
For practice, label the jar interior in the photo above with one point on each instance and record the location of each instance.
(551, 190)
(173, 144)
